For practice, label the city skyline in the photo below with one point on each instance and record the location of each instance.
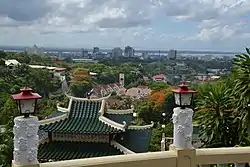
(146, 24)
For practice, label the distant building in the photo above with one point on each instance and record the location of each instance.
(172, 54)
(85, 60)
(84, 53)
(121, 79)
(145, 55)
(96, 50)
(117, 52)
(59, 71)
(207, 57)
(138, 93)
(160, 78)
(35, 50)
(129, 51)
(11, 63)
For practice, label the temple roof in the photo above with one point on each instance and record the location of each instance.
(89, 116)
(57, 151)
(84, 117)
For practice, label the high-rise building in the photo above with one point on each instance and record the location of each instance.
(172, 54)
(117, 52)
(85, 53)
(35, 50)
(129, 51)
(96, 50)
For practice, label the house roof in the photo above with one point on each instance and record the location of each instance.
(138, 92)
(58, 151)
(159, 76)
(60, 69)
(83, 118)
(13, 62)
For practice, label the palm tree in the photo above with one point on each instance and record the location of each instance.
(241, 75)
(215, 115)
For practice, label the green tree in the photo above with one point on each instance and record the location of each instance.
(157, 86)
(3, 55)
(6, 145)
(215, 116)
(43, 82)
(8, 112)
(155, 143)
(241, 76)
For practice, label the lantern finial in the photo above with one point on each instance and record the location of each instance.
(26, 101)
(183, 95)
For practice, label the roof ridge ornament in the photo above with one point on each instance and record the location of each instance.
(86, 99)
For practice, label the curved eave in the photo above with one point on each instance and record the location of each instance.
(121, 148)
(86, 99)
(113, 123)
(135, 127)
(53, 120)
(128, 111)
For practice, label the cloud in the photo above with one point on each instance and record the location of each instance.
(24, 10)
(126, 21)
(216, 19)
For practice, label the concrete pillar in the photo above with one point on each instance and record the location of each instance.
(183, 127)
(163, 142)
(240, 165)
(25, 141)
(182, 144)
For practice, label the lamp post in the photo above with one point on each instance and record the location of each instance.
(135, 117)
(163, 140)
(25, 129)
(183, 117)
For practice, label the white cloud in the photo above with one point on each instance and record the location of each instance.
(123, 21)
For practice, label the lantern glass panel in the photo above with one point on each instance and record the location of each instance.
(186, 99)
(177, 98)
(27, 106)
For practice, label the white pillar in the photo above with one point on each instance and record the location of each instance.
(163, 142)
(183, 127)
(25, 141)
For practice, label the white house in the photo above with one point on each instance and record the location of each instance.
(11, 63)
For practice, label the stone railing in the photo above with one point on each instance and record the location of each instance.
(173, 158)
(181, 154)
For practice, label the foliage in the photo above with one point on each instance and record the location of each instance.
(8, 111)
(215, 120)
(81, 83)
(6, 145)
(157, 86)
(157, 136)
(11, 80)
(241, 77)
(121, 102)
(157, 99)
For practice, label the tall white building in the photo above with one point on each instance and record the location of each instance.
(117, 52)
(172, 54)
(129, 51)
(35, 50)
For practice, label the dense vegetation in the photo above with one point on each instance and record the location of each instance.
(221, 109)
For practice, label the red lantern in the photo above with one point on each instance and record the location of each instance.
(183, 96)
(26, 101)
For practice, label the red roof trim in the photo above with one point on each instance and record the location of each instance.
(160, 76)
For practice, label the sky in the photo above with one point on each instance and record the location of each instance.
(146, 24)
